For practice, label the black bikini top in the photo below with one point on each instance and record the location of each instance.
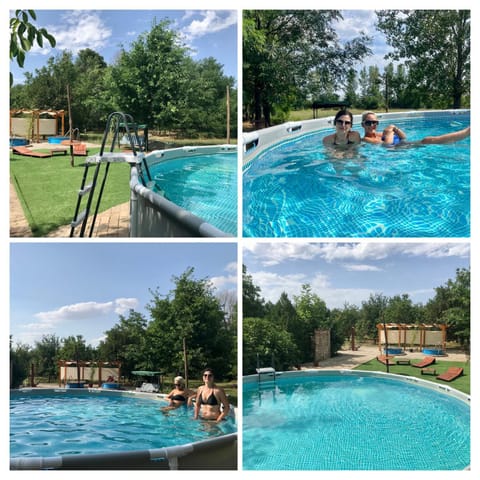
(211, 400)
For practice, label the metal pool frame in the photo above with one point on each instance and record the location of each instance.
(152, 215)
(218, 453)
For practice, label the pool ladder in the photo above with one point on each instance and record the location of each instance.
(116, 123)
(270, 375)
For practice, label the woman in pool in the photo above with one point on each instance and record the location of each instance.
(343, 136)
(209, 399)
(392, 135)
(179, 396)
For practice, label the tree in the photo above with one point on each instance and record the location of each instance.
(435, 45)
(267, 344)
(451, 305)
(281, 48)
(371, 315)
(20, 360)
(312, 313)
(45, 356)
(23, 36)
(125, 342)
(190, 317)
(253, 303)
(283, 313)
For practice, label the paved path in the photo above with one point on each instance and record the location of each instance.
(114, 222)
(347, 359)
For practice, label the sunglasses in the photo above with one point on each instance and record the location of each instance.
(369, 123)
(207, 375)
(344, 122)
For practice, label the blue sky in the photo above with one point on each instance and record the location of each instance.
(208, 33)
(342, 273)
(82, 288)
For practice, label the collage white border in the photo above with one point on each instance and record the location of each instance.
(472, 5)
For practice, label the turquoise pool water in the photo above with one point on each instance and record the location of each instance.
(71, 424)
(297, 189)
(205, 185)
(353, 423)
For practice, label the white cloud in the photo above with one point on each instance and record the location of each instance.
(85, 311)
(77, 30)
(270, 254)
(211, 22)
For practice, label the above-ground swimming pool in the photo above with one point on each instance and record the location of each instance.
(293, 187)
(346, 420)
(80, 424)
(192, 191)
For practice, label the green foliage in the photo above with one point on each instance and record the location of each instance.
(24, 35)
(265, 344)
(284, 48)
(155, 81)
(253, 303)
(190, 318)
(284, 321)
(451, 305)
(20, 361)
(435, 45)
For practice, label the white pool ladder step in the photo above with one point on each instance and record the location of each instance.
(269, 373)
(115, 123)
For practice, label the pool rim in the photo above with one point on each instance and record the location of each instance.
(271, 137)
(170, 455)
(172, 220)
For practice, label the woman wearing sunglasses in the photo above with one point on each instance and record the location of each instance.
(210, 398)
(179, 396)
(343, 136)
(392, 135)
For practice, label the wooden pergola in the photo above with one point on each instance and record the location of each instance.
(407, 335)
(90, 372)
(34, 130)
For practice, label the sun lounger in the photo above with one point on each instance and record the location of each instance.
(30, 153)
(386, 359)
(451, 374)
(424, 363)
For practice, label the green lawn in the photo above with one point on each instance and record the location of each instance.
(47, 188)
(461, 383)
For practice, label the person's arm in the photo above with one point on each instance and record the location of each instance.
(328, 140)
(226, 406)
(355, 137)
(400, 133)
(197, 403)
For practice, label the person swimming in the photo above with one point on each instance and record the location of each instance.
(393, 136)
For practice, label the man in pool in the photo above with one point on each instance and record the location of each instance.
(393, 136)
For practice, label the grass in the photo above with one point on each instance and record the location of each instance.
(307, 114)
(461, 383)
(47, 188)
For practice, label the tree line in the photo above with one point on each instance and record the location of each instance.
(155, 81)
(282, 332)
(191, 318)
(292, 58)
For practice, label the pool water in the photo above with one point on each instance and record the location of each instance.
(205, 185)
(353, 423)
(70, 424)
(297, 189)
